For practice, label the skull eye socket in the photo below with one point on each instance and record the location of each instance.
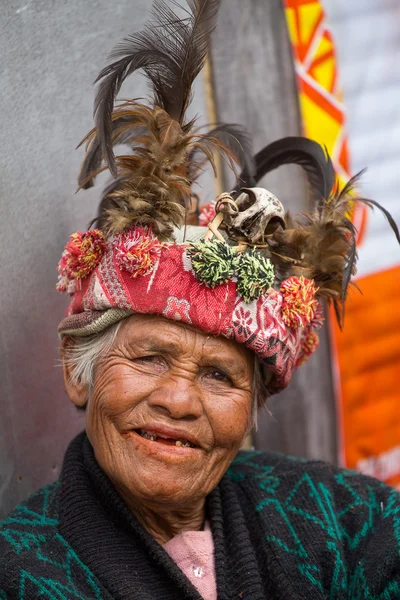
(245, 201)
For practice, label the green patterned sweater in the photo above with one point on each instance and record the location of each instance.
(282, 528)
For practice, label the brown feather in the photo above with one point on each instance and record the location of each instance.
(158, 168)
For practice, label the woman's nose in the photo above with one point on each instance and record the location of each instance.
(179, 397)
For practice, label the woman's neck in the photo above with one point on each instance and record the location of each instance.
(164, 522)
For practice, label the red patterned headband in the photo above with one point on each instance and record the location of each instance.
(205, 284)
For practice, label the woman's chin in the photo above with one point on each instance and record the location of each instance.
(161, 473)
(159, 486)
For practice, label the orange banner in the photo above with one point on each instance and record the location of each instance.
(368, 357)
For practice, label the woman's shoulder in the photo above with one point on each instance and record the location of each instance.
(26, 531)
(349, 516)
(39, 511)
(36, 560)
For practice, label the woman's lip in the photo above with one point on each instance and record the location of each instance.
(171, 433)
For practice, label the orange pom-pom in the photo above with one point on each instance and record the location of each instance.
(299, 303)
(309, 346)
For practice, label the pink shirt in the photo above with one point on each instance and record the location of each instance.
(193, 552)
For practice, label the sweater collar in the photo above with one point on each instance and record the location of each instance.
(107, 537)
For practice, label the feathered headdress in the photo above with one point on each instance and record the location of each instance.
(255, 274)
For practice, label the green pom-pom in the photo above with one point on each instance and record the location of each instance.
(255, 275)
(213, 262)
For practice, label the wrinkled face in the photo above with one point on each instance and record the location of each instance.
(169, 409)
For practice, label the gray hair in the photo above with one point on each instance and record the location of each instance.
(83, 354)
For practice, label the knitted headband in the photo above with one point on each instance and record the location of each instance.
(254, 275)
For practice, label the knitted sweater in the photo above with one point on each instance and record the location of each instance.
(283, 529)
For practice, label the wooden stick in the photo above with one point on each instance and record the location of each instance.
(212, 117)
(213, 228)
(287, 258)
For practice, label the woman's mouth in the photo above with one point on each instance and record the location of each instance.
(157, 437)
(164, 439)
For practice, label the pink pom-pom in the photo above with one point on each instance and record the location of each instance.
(207, 214)
(81, 255)
(137, 251)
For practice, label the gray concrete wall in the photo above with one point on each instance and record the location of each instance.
(51, 51)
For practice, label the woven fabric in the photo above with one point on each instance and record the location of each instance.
(283, 529)
(171, 290)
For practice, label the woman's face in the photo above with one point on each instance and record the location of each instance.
(169, 409)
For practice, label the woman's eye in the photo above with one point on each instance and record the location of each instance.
(218, 375)
(151, 359)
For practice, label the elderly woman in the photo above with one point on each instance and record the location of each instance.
(173, 338)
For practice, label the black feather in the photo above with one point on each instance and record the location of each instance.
(343, 200)
(350, 266)
(372, 204)
(124, 129)
(339, 312)
(348, 195)
(349, 189)
(170, 50)
(238, 141)
(301, 151)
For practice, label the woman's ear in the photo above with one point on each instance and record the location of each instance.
(78, 392)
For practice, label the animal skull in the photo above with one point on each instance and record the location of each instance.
(260, 213)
